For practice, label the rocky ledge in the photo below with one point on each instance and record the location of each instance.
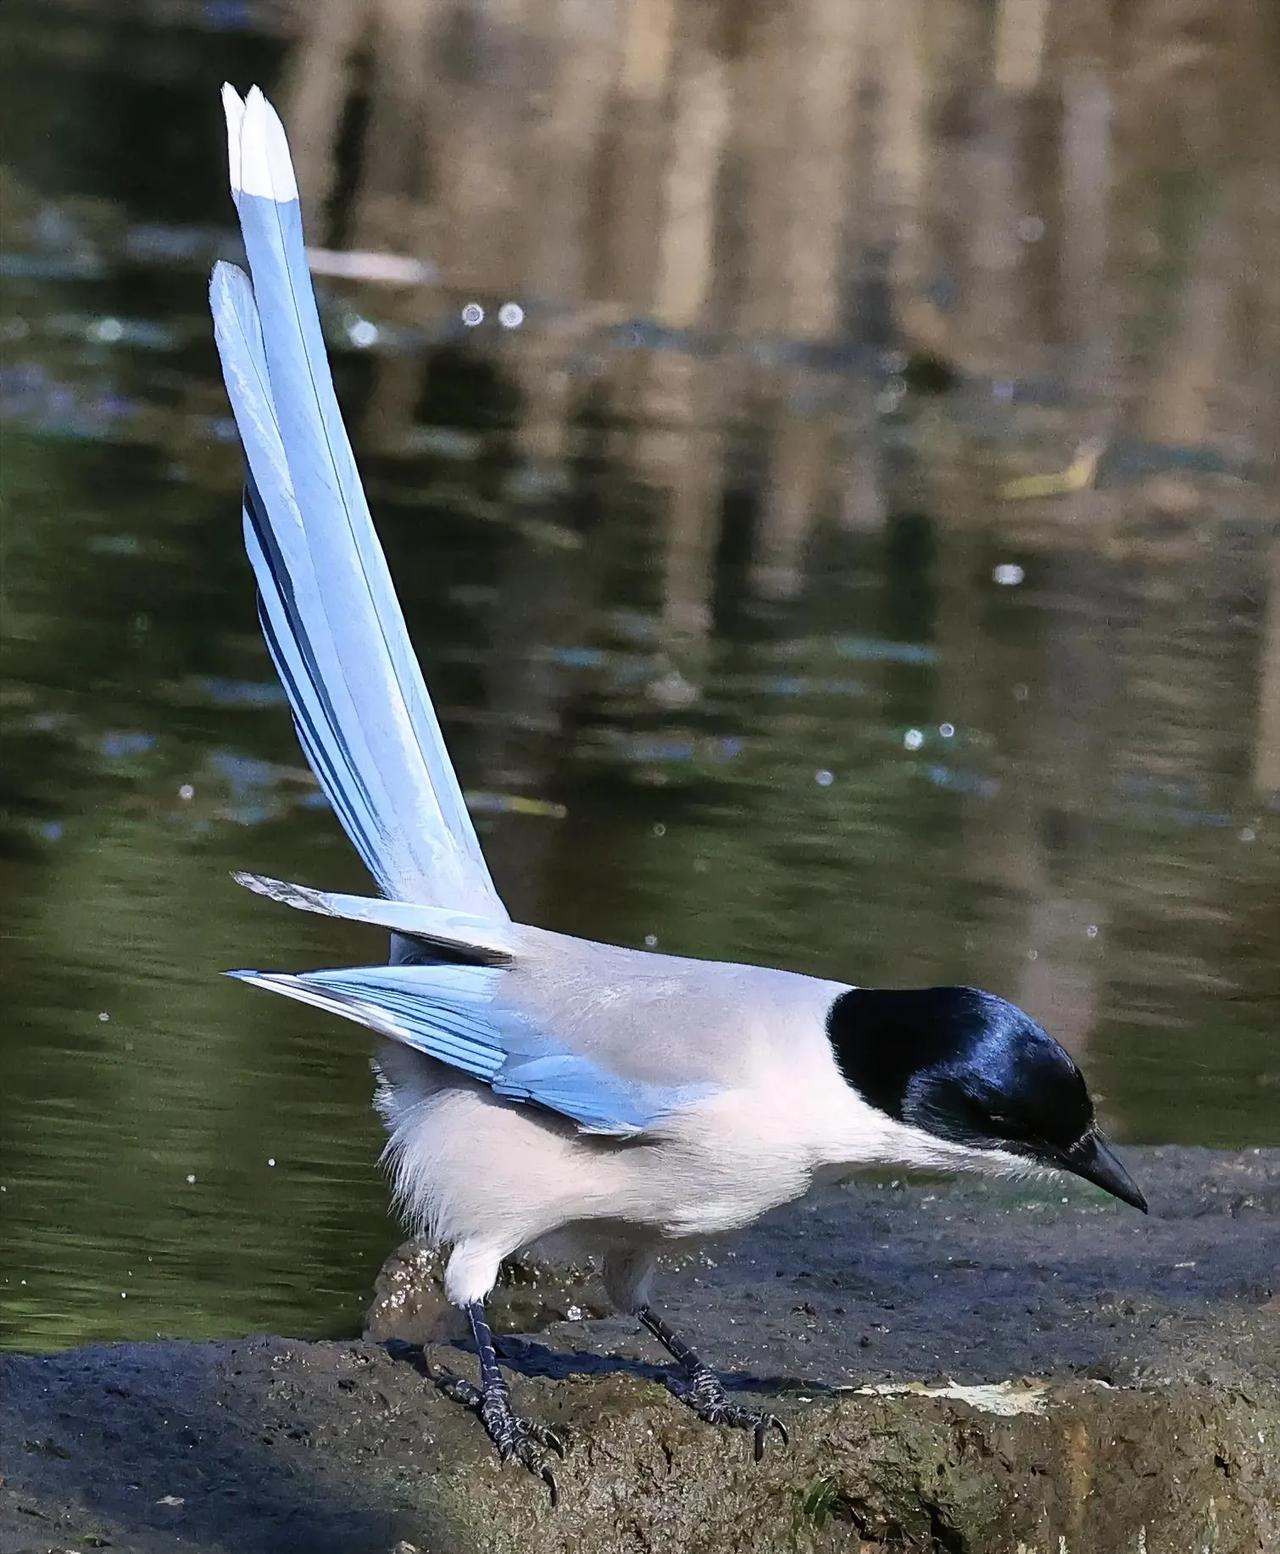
(964, 1369)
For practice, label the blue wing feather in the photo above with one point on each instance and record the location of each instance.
(455, 1015)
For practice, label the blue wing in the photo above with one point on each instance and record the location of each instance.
(327, 606)
(455, 1014)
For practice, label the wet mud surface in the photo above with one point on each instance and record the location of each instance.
(1129, 1397)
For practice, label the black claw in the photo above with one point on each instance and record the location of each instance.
(521, 1446)
(762, 1425)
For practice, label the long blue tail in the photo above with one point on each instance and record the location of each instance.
(328, 610)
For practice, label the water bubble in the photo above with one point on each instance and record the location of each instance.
(672, 690)
(1008, 574)
(1091, 932)
(891, 396)
(1248, 834)
(511, 315)
(103, 1016)
(107, 330)
(472, 315)
(191, 1176)
(186, 792)
(913, 739)
(271, 1160)
(364, 332)
(1031, 229)
(1021, 692)
(650, 941)
(947, 730)
(659, 829)
(824, 778)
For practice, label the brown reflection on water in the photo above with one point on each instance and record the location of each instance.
(862, 556)
(1075, 189)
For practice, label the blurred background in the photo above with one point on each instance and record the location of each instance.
(826, 450)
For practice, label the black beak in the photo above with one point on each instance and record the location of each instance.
(1094, 1160)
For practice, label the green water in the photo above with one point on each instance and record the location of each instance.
(738, 646)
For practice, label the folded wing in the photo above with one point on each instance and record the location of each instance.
(456, 1015)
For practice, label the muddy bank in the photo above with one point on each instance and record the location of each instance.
(1129, 1397)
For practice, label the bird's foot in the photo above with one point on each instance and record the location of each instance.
(525, 1440)
(704, 1393)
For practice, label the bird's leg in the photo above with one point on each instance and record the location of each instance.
(523, 1439)
(703, 1390)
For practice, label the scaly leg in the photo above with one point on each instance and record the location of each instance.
(523, 1439)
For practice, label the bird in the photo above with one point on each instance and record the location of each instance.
(531, 1082)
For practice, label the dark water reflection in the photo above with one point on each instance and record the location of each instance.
(755, 627)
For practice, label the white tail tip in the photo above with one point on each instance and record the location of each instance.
(257, 151)
(234, 110)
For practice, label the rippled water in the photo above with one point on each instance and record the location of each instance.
(894, 597)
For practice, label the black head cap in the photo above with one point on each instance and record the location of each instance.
(973, 1069)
